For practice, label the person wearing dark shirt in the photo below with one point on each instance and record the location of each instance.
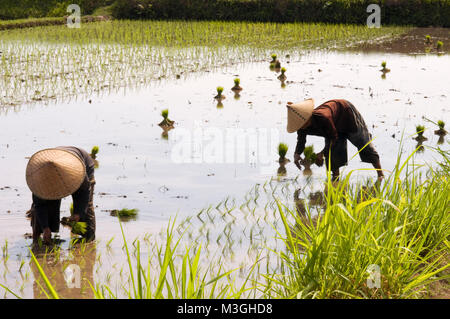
(53, 174)
(337, 121)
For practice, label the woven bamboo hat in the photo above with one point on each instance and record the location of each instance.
(298, 114)
(54, 173)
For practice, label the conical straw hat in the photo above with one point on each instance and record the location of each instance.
(53, 173)
(298, 114)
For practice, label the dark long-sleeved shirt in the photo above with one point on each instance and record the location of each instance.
(328, 120)
(80, 197)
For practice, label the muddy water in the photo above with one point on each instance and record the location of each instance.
(193, 167)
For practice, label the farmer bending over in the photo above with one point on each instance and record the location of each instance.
(53, 174)
(337, 121)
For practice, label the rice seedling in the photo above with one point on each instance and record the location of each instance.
(428, 39)
(441, 131)
(125, 214)
(94, 152)
(420, 129)
(236, 88)
(441, 127)
(384, 69)
(275, 63)
(219, 97)
(282, 151)
(166, 123)
(282, 77)
(274, 58)
(439, 45)
(5, 250)
(310, 156)
(78, 228)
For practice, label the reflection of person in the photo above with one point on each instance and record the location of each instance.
(71, 278)
(337, 121)
(53, 174)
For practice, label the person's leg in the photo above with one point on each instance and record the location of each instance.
(338, 157)
(335, 175)
(362, 139)
(90, 214)
(36, 228)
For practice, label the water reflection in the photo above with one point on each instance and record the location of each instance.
(70, 276)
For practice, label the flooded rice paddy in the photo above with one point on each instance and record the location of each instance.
(220, 188)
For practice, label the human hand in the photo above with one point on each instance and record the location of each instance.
(297, 159)
(319, 159)
(74, 218)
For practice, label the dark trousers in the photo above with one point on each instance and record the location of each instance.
(52, 207)
(361, 139)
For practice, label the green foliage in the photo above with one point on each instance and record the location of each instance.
(237, 82)
(418, 13)
(383, 64)
(19, 9)
(441, 124)
(282, 150)
(274, 57)
(428, 39)
(283, 70)
(219, 90)
(439, 45)
(401, 226)
(165, 114)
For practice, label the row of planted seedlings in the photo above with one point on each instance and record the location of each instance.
(35, 73)
(56, 62)
(429, 45)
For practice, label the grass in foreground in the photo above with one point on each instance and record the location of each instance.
(401, 229)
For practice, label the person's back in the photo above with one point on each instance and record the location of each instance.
(53, 174)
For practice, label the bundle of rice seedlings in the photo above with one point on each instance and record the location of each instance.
(79, 228)
(310, 156)
(219, 95)
(166, 122)
(282, 150)
(94, 152)
(236, 87)
(441, 130)
(125, 212)
(282, 77)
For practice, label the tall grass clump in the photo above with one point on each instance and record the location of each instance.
(400, 228)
